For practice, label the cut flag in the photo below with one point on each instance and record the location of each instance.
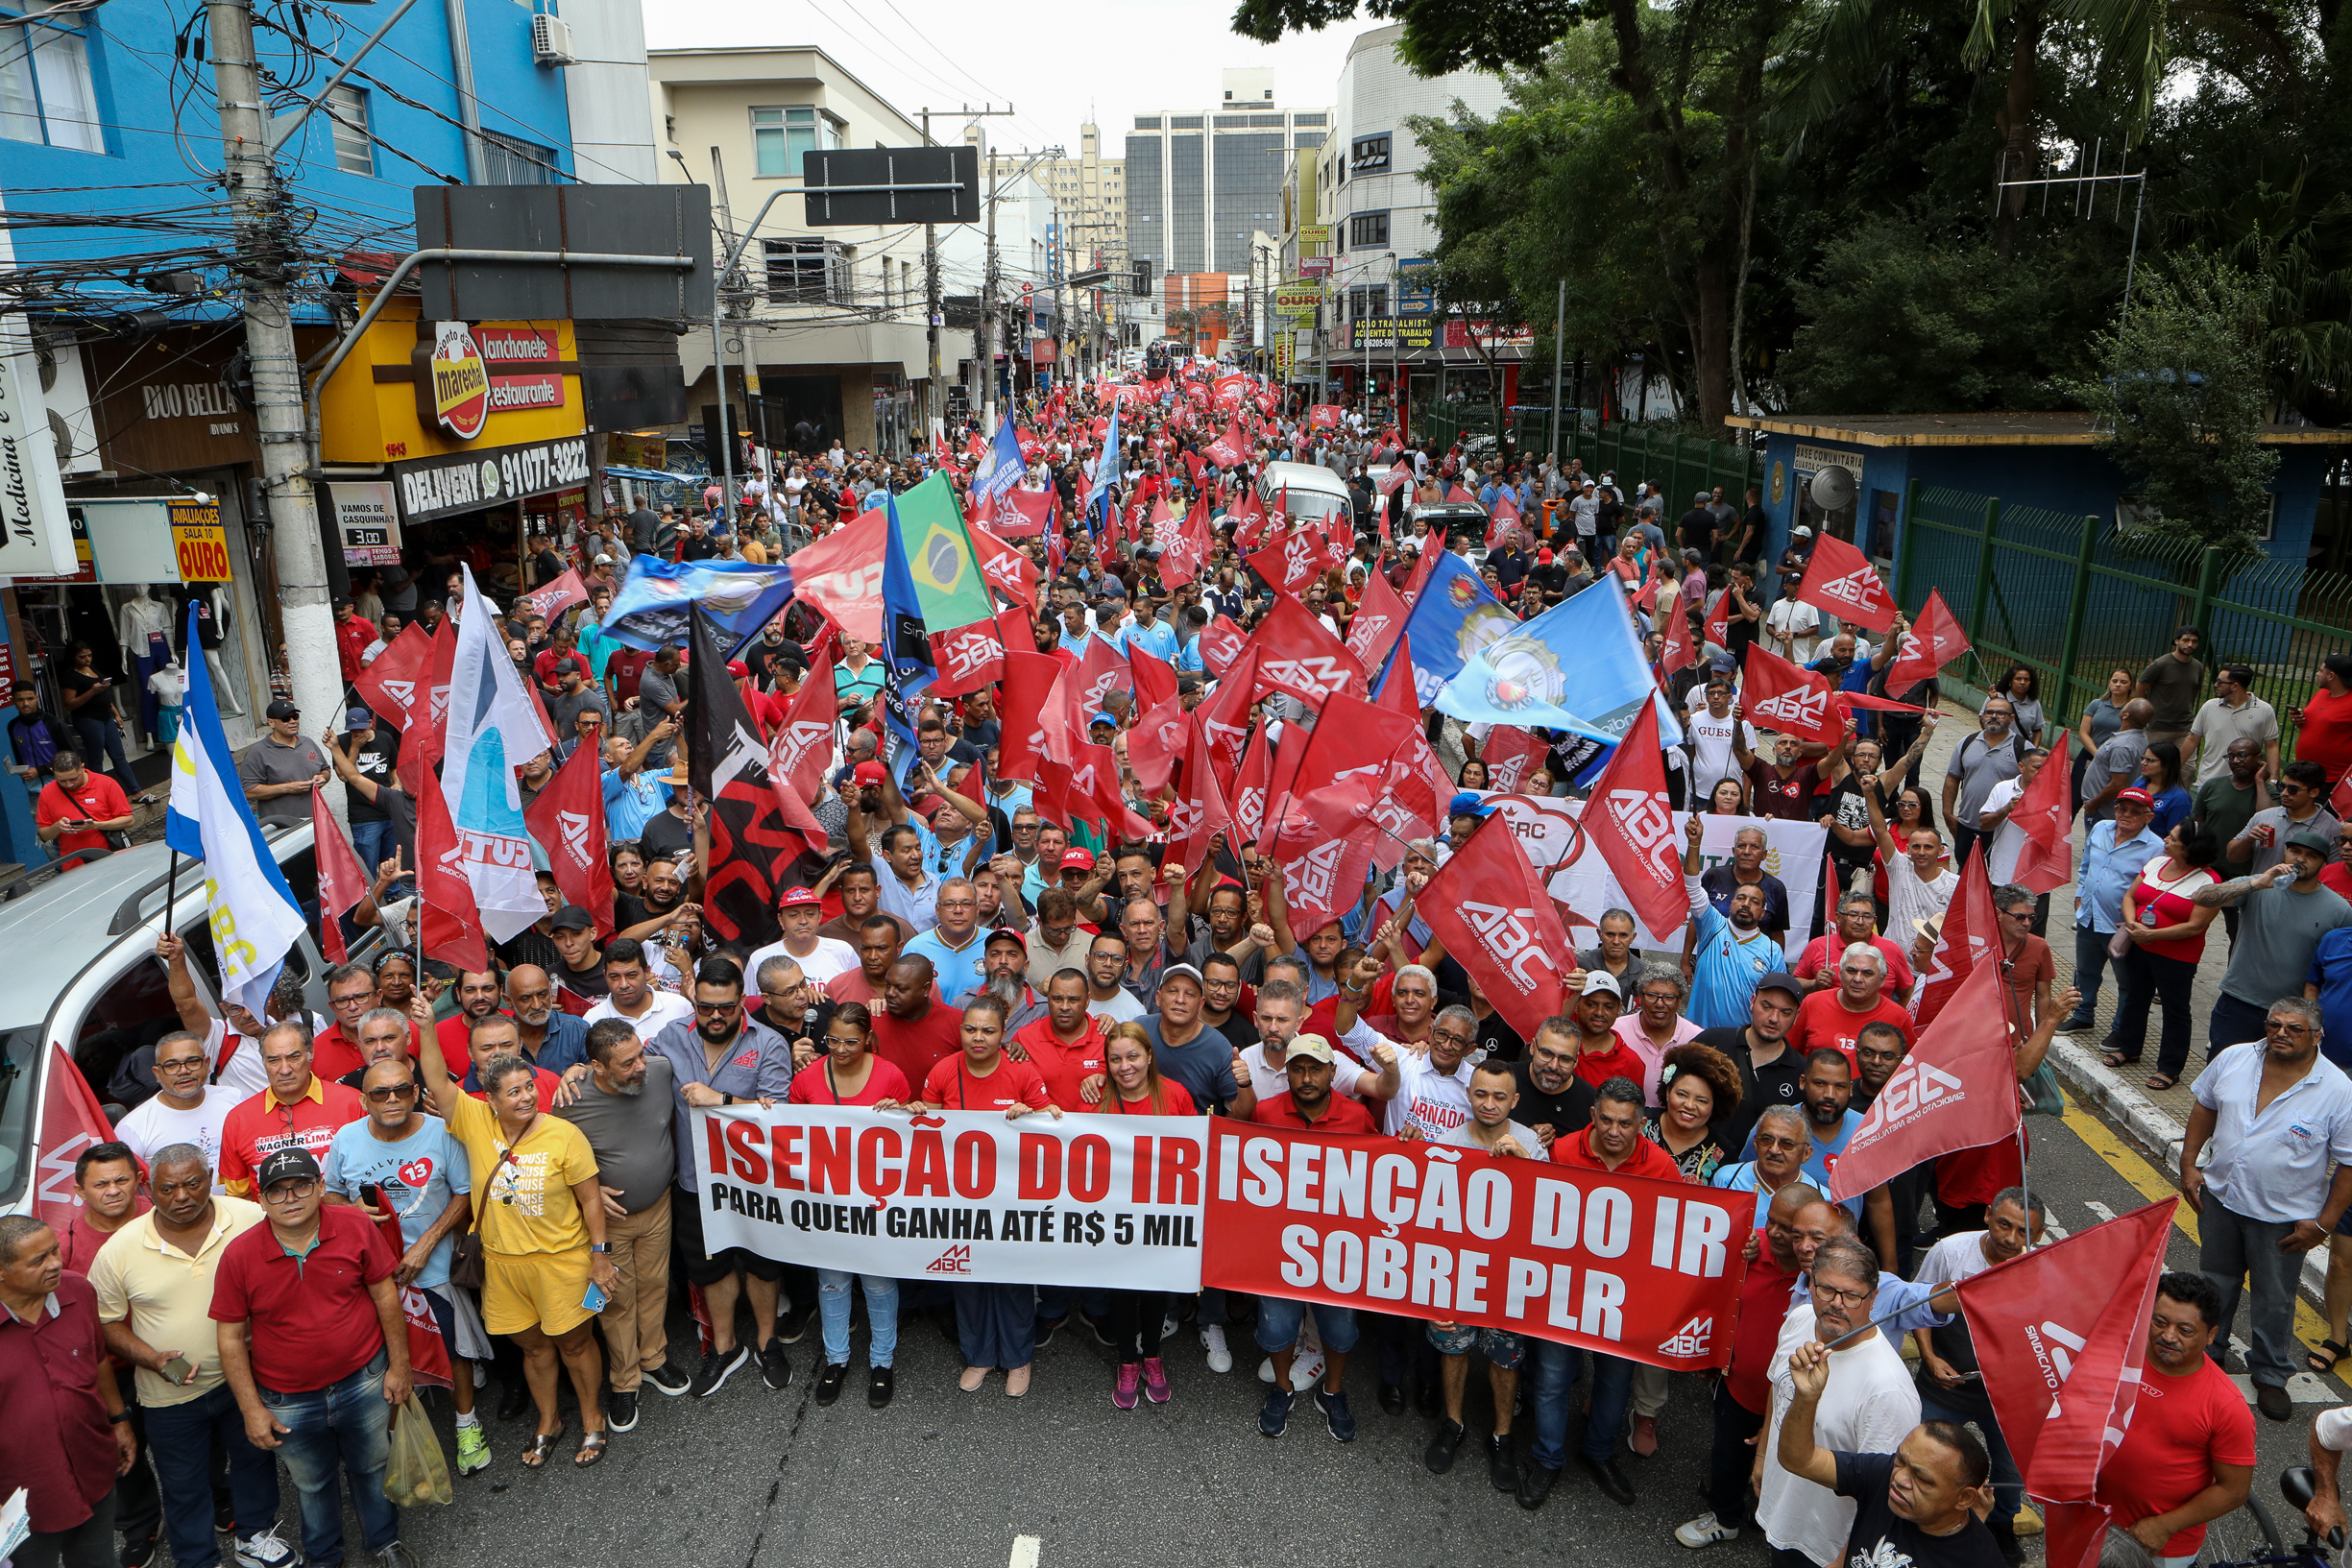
(1956, 1089)
(493, 730)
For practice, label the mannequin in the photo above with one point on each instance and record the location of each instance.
(144, 623)
(211, 626)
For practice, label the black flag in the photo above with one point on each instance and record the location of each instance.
(726, 763)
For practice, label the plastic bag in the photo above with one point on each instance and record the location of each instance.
(414, 1473)
(2043, 1095)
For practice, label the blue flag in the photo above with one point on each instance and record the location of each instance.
(1578, 667)
(1109, 469)
(1454, 615)
(906, 666)
(1000, 467)
(739, 596)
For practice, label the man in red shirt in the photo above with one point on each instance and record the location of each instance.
(308, 1312)
(298, 1110)
(915, 1031)
(1857, 920)
(2188, 1457)
(1066, 1045)
(78, 809)
(1601, 1052)
(1833, 1018)
(352, 636)
(351, 994)
(477, 998)
(878, 943)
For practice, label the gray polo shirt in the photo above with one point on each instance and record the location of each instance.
(267, 763)
(760, 1062)
(2277, 935)
(1980, 763)
(2120, 753)
(631, 1134)
(655, 693)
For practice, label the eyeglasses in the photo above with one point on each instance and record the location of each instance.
(717, 1009)
(397, 1091)
(2271, 1025)
(1843, 1298)
(290, 1192)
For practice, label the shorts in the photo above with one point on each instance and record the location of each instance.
(1500, 1349)
(700, 1267)
(1279, 1319)
(534, 1289)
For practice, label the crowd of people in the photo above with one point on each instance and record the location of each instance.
(515, 1145)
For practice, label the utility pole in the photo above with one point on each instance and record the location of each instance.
(257, 208)
(718, 349)
(1560, 328)
(989, 316)
(935, 319)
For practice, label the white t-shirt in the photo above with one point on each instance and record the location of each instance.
(663, 1008)
(1459, 1138)
(1710, 746)
(1791, 618)
(1433, 1101)
(243, 1076)
(1910, 899)
(2009, 839)
(1347, 1077)
(1119, 1009)
(833, 956)
(155, 1125)
(1869, 1406)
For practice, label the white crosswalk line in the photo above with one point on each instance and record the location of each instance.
(1026, 1549)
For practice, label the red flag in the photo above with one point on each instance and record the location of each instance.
(1627, 820)
(1380, 620)
(1325, 417)
(343, 881)
(967, 659)
(1024, 513)
(1389, 483)
(1963, 944)
(558, 596)
(1298, 655)
(1201, 812)
(1102, 671)
(1496, 921)
(1155, 679)
(71, 1122)
(2045, 814)
(449, 919)
(1396, 692)
(1325, 882)
(1345, 768)
(1220, 643)
(1252, 784)
(389, 685)
(1023, 699)
(802, 746)
(430, 728)
(1956, 1089)
(1187, 545)
(1293, 559)
(567, 819)
(1935, 639)
(1840, 580)
(1007, 570)
(1778, 695)
(1511, 754)
(2070, 1317)
(2074, 1534)
(1676, 652)
(1224, 717)
(1422, 567)
(1718, 626)
(1157, 741)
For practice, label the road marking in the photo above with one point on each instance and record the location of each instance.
(1024, 1552)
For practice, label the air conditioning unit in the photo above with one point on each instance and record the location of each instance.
(551, 40)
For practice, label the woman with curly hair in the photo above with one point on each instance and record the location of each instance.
(1698, 1088)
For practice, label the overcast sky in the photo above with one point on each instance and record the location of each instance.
(1056, 61)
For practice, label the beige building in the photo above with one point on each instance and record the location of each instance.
(1091, 192)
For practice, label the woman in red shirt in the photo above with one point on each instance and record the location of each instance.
(1137, 1089)
(2325, 737)
(850, 1074)
(2168, 937)
(997, 1324)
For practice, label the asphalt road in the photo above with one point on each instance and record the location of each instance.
(1061, 1479)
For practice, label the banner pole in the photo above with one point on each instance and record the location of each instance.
(1876, 1322)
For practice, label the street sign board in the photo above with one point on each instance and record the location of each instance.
(892, 185)
(630, 220)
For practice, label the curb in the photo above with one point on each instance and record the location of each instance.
(2150, 1126)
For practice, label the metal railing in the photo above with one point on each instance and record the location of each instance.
(1681, 466)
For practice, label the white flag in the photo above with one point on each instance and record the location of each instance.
(493, 728)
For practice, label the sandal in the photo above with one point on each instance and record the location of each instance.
(542, 1445)
(2160, 1081)
(593, 1445)
(2115, 1058)
(2323, 1357)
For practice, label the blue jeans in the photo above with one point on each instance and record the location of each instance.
(2008, 1485)
(344, 1427)
(180, 1439)
(880, 1315)
(372, 842)
(1555, 1379)
(1054, 1303)
(102, 741)
(2091, 962)
(1280, 1318)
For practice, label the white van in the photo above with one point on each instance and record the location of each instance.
(1302, 493)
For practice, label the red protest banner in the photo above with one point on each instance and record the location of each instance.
(1840, 580)
(1157, 741)
(1187, 545)
(1293, 559)
(1676, 652)
(1201, 813)
(71, 1122)
(1935, 639)
(567, 819)
(1511, 754)
(1640, 1268)
(1489, 907)
(1778, 695)
(1298, 655)
(2045, 814)
(1224, 717)
(1380, 620)
(1956, 1089)
(1634, 830)
(967, 659)
(1022, 702)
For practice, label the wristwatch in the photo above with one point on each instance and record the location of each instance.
(599, 1246)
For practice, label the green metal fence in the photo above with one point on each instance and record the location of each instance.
(2077, 597)
(1681, 466)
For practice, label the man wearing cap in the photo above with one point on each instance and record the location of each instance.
(315, 1347)
(279, 770)
(574, 697)
(1601, 1052)
(1770, 1074)
(2286, 909)
(1793, 628)
(800, 911)
(1004, 974)
(580, 969)
(2112, 853)
(373, 754)
(955, 945)
(1725, 952)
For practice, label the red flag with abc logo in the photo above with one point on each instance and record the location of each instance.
(1840, 580)
(1497, 922)
(567, 819)
(1776, 694)
(1627, 819)
(1935, 639)
(1956, 1089)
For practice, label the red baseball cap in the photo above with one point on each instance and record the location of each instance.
(798, 896)
(2136, 796)
(737, 668)
(869, 773)
(1078, 860)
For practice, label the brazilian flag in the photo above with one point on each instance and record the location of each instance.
(940, 562)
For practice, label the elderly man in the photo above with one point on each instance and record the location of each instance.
(1865, 1403)
(2275, 1115)
(1782, 1143)
(1836, 1018)
(69, 1432)
(2113, 852)
(1857, 920)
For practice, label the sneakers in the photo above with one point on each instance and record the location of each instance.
(1168, 1324)
(669, 1379)
(1276, 1413)
(265, 1550)
(1126, 1393)
(1156, 1381)
(829, 1383)
(1047, 1327)
(620, 1410)
(1704, 1531)
(1221, 1360)
(879, 1384)
(1439, 1455)
(1337, 1415)
(717, 1367)
(1503, 1463)
(775, 1366)
(792, 1325)
(1307, 1368)
(138, 1551)
(1101, 1331)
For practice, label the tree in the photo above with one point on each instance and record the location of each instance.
(2182, 403)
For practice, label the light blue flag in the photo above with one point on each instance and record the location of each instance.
(738, 597)
(1454, 616)
(252, 913)
(1002, 465)
(1109, 469)
(1578, 667)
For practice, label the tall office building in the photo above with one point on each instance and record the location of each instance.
(1198, 184)
(1089, 192)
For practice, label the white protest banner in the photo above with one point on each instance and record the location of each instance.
(1100, 1200)
(1577, 878)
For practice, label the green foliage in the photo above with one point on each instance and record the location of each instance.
(2182, 402)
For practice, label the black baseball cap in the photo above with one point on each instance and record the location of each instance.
(281, 709)
(572, 918)
(292, 1164)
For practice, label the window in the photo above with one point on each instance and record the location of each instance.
(509, 161)
(1368, 230)
(1147, 122)
(1310, 119)
(45, 91)
(1184, 122)
(779, 136)
(347, 109)
(1368, 304)
(1369, 154)
(806, 271)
